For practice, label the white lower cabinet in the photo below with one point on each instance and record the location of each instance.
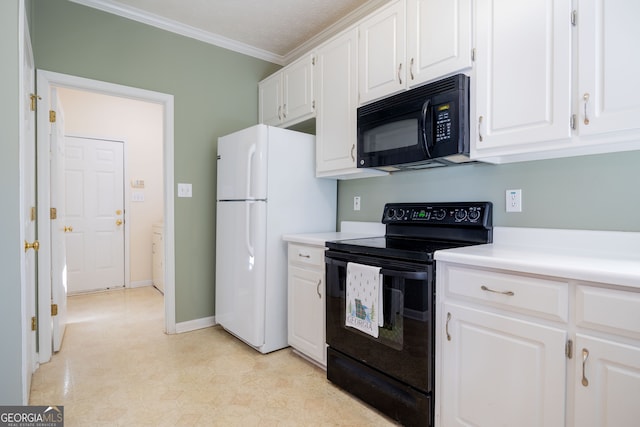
(510, 352)
(306, 301)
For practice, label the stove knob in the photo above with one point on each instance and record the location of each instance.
(461, 215)
(391, 213)
(439, 214)
(400, 213)
(474, 215)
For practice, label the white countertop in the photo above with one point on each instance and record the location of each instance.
(598, 256)
(349, 230)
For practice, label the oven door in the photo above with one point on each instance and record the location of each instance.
(404, 348)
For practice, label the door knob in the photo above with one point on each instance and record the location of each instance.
(35, 245)
(118, 222)
(68, 229)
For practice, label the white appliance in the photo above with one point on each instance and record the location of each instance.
(266, 188)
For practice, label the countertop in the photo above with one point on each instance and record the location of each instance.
(349, 230)
(598, 256)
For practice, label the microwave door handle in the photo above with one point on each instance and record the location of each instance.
(425, 139)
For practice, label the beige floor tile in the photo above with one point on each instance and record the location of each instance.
(118, 368)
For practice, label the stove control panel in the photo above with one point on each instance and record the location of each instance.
(472, 213)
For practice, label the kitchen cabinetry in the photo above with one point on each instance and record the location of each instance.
(607, 353)
(540, 95)
(286, 97)
(408, 43)
(336, 91)
(502, 363)
(306, 301)
(556, 351)
(157, 256)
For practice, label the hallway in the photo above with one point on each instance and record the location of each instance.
(117, 367)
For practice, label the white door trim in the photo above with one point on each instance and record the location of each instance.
(46, 79)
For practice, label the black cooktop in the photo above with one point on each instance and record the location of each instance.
(414, 231)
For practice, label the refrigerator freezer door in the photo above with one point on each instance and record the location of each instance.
(240, 269)
(242, 164)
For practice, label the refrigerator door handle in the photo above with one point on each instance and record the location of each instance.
(251, 153)
(248, 231)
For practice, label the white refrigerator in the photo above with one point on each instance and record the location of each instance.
(266, 188)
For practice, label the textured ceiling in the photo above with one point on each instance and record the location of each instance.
(276, 27)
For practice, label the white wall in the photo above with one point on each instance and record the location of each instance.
(139, 124)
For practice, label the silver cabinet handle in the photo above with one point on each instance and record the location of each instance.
(280, 112)
(585, 98)
(353, 157)
(508, 293)
(284, 111)
(301, 255)
(480, 128)
(411, 69)
(318, 289)
(446, 328)
(585, 356)
(399, 71)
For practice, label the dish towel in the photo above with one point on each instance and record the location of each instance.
(364, 298)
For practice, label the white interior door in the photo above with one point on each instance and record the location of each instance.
(28, 212)
(94, 213)
(58, 252)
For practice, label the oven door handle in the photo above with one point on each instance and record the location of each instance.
(405, 274)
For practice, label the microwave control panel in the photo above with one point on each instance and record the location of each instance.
(444, 123)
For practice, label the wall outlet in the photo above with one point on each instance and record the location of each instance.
(514, 200)
(184, 190)
(356, 203)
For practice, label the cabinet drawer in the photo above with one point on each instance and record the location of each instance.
(608, 310)
(306, 255)
(540, 297)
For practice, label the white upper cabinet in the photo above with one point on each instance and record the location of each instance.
(382, 53)
(286, 97)
(411, 42)
(523, 73)
(336, 90)
(608, 84)
(439, 39)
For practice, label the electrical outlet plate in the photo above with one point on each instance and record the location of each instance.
(184, 190)
(514, 200)
(356, 203)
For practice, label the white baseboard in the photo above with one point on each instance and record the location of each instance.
(192, 325)
(141, 283)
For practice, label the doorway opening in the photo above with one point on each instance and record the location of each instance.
(91, 109)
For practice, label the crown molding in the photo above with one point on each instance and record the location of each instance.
(182, 29)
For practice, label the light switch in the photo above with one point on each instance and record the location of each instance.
(137, 196)
(184, 190)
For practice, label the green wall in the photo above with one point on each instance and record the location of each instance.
(10, 300)
(598, 192)
(215, 92)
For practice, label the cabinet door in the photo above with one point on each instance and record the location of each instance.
(297, 82)
(336, 94)
(438, 38)
(607, 386)
(307, 312)
(609, 88)
(270, 100)
(523, 69)
(500, 371)
(382, 53)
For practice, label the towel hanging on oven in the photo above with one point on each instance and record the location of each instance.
(364, 304)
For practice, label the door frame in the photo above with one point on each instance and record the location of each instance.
(45, 80)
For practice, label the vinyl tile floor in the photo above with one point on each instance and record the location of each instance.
(117, 367)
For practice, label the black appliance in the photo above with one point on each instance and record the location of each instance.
(395, 372)
(423, 127)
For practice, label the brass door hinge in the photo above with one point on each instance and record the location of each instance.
(52, 116)
(34, 99)
(53, 213)
(33, 213)
(569, 349)
(34, 323)
(54, 309)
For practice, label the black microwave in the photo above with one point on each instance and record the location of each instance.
(423, 127)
